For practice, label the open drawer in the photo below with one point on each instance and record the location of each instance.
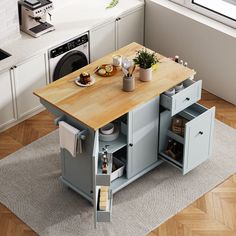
(195, 146)
(183, 99)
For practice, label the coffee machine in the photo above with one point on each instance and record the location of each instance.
(33, 15)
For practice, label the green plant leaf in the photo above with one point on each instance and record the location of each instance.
(145, 59)
(112, 4)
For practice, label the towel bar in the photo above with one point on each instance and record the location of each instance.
(81, 134)
(58, 119)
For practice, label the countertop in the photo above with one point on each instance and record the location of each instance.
(105, 101)
(75, 18)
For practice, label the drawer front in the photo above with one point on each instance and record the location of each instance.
(198, 139)
(183, 99)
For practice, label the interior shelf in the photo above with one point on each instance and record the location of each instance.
(115, 145)
(117, 183)
(173, 161)
(175, 136)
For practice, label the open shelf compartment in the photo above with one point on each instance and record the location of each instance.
(175, 136)
(117, 159)
(115, 145)
(165, 135)
(101, 178)
(104, 216)
(171, 160)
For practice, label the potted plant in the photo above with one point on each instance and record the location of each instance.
(145, 60)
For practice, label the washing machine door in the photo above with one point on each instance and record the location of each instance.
(70, 62)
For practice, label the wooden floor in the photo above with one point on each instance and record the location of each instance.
(214, 214)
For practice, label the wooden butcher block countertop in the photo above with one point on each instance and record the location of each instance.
(105, 101)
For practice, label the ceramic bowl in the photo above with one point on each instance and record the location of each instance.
(107, 129)
(179, 88)
(170, 92)
(109, 137)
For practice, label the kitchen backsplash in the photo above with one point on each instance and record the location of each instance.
(9, 30)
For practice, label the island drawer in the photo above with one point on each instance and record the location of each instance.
(183, 99)
(193, 146)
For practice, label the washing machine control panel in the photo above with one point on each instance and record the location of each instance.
(69, 46)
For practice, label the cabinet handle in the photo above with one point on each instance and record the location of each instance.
(187, 99)
(117, 19)
(200, 132)
(131, 145)
(15, 66)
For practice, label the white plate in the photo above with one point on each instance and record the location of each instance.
(85, 85)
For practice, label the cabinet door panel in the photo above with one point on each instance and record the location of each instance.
(198, 140)
(130, 28)
(29, 76)
(102, 41)
(144, 136)
(6, 100)
(95, 168)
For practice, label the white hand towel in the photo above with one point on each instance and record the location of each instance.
(68, 138)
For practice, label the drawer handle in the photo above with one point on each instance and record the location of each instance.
(131, 145)
(187, 99)
(200, 132)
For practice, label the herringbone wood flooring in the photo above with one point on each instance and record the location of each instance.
(214, 214)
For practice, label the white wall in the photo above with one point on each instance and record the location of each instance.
(9, 23)
(210, 52)
(9, 26)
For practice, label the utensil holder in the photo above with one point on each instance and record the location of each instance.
(128, 84)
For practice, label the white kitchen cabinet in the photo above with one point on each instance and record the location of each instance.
(117, 33)
(130, 28)
(102, 40)
(7, 114)
(28, 77)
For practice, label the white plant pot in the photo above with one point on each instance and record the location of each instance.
(145, 74)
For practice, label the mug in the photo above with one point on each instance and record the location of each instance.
(116, 60)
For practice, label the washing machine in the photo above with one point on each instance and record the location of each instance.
(68, 57)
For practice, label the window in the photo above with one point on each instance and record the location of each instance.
(221, 10)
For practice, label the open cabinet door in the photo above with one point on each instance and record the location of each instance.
(198, 139)
(95, 167)
(100, 181)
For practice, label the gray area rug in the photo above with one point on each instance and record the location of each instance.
(29, 187)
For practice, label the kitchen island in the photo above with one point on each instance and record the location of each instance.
(143, 116)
